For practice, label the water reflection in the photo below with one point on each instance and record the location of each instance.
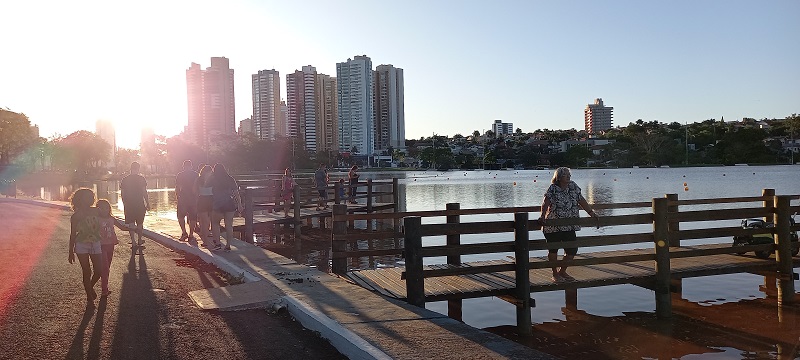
(747, 329)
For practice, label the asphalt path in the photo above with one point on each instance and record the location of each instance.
(44, 312)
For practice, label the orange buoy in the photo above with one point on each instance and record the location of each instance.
(684, 184)
(515, 183)
(686, 188)
(534, 180)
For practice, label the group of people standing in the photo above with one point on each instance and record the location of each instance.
(92, 237)
(204, 199)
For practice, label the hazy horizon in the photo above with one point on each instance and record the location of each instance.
(534, 64)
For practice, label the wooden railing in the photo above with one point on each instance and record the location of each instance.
(265, 195)
(664, 215)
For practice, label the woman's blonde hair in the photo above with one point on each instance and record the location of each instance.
(559, 173)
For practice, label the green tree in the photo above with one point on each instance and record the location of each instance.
(16, 135)
(82, 150)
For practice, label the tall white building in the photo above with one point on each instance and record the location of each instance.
(501, 128)
(267, 105)
(355, 88)
(390, 122)
(597, 117)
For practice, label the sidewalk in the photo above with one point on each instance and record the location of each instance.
(359, 323)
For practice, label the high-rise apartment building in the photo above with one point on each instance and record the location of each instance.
(301, 101)
(267, 105)
(211, 101)
(327, 114)
(355, 89)
(390, 127)
(501, 128)
(246, 126)
(597, 117)
(311, 99)
(285, 117)
(105, 130)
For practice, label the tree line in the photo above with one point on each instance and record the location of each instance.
(640, 143)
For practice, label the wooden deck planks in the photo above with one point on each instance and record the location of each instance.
(388, 282)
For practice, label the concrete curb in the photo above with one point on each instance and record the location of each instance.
(44, 203)
(348, 343)
(206, 255)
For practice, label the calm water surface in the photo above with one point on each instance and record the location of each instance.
(716, 317)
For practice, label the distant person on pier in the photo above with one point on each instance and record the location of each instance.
(226, 201)
(562, 200)
(205, 206)
(133, 190)
(84, 240)
(321, 183)
(186, 194)
(353, 178)
(287, 190)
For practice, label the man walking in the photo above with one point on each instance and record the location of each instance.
(321, 182)
(133, 190)
(186, 194)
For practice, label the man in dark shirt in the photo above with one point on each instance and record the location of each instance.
(187, 199)
(133, 190)
(321, 183)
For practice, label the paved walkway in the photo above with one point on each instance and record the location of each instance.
(359, 323)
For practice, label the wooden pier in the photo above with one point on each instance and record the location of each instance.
(659, 265)
(264, 208)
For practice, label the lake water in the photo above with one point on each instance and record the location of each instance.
(716, 317)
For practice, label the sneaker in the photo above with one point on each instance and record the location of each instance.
(228, 248)
(217, 248)
(184, 236)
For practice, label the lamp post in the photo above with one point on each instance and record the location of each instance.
(686, 142)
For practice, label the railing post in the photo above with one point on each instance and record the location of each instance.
(275, 192)
(783, 252)
(769, 204)
(674, 225)
(396, 202)
(415, 283)
(248, 215)
(296, 199)
(662, 278)
(338, 245)
(523, 284)
(454, 307)
(676, 285)
(337, 187)
(369, 196)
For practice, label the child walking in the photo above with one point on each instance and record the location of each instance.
(84, 239)
(108, 239)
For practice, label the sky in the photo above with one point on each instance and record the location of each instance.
(536, 64)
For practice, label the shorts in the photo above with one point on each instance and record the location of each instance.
(187, 209)
(204, 204)
(134, 215)
(562, 236)
(323, 193)
(91, 248)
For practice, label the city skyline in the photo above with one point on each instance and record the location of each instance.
(534, 64)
